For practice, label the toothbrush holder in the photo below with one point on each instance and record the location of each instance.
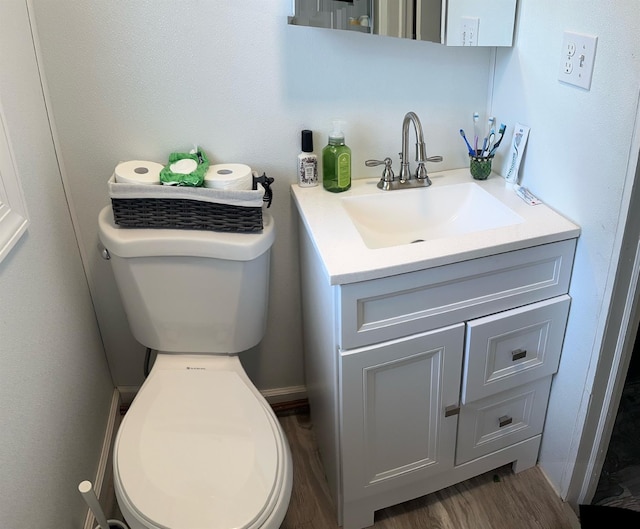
(480, 166)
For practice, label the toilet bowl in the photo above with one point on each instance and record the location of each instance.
(199, 447)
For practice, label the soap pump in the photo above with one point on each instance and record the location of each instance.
(336, 161)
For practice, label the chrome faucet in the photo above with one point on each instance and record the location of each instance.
(406, 179)
(421, 149)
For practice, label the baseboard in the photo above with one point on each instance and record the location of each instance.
(102, 484)
(285, 395)
(276, 397)
(127, 394)
(566, 506)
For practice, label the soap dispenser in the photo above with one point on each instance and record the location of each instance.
(307, 162)
(336, 161)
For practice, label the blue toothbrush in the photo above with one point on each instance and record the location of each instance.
(464, 137)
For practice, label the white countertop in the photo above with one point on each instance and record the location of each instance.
(347, 259)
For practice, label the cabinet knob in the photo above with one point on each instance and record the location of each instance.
(505, 420)
(518, 354)
(454, 409)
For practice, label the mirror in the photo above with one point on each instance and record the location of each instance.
(450, 22)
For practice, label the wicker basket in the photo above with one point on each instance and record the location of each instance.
(187, 208)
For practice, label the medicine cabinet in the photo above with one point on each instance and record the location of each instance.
(449, 22)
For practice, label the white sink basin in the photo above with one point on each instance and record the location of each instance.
(394, 218)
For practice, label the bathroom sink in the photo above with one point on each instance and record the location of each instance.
(394, 218)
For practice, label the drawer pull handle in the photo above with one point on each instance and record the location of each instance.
(454, 409)
(505, 420)
(518, 354)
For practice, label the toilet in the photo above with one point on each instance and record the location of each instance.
(199, 447)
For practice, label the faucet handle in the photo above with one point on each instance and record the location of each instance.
(421, 174)
(387, 172)
(421, 171)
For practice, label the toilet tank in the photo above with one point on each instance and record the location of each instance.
(191, 291)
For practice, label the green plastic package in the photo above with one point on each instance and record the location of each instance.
(172, 173)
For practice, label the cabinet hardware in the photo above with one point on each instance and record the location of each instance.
(505, 420)
(454, 409)
(518, 354)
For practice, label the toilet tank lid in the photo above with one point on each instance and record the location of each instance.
(137, 242)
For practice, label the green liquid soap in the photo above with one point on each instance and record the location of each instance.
(336, 163)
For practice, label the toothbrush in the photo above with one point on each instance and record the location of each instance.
(464, 137)
(476, 118)
(490, 126)
(503, 127)
(491, 123)
(489, 143)
(484, 147)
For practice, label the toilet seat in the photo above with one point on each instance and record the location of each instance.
(199, 449)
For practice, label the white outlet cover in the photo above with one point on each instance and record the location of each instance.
(469, 27)
(577, 58)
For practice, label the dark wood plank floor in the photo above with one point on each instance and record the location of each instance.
(496, 500)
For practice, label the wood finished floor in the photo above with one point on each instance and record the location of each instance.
(496, 500)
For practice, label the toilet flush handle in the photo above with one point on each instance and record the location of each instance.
(104, 253)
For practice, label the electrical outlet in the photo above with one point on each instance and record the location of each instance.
(469, 31)
(577, 58)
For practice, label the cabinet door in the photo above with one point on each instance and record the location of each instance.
(394, 431)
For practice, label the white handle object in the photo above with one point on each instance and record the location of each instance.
(86, 489)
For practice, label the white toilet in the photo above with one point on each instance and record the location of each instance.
(199, 448)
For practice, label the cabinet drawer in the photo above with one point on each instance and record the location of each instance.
(512, 348)
(498, 421)
(384, 309)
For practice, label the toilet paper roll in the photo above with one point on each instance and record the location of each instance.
(229, 176)
(138, 172)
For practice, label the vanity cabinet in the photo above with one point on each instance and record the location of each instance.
(421, 380)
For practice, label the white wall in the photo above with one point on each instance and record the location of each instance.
(136, 80)
(55, 387)
(576, 161)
